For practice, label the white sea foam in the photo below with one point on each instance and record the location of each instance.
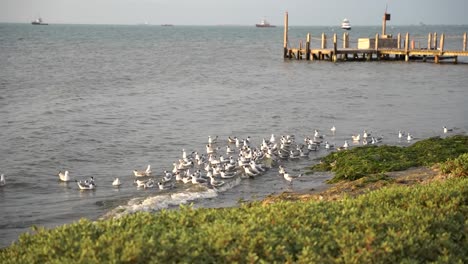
(166, 200)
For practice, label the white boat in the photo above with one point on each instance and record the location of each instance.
(39, 21)
(264, 23)
(345, 24)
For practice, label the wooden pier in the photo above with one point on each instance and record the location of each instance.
(382, 47)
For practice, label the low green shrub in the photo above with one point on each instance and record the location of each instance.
(425, 223)
(361, 161)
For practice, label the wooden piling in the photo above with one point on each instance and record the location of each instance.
(384, 24)
(464, 42)
(429, 41)
(399, 41)
(442, 40)
(299, 54)
(324, 41)
(435, 40)
(308, 47)
(285, 40)
(406, 47)
(335, 48)
(345, 45)
(376, 41)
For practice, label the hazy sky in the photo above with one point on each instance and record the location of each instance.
(235, 12)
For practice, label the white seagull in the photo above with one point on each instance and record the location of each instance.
(140, 183)
(197, 180)
(333, 130)
(227, 175)
(356, 137)
(447, 130)
(281, 170)
(409, 137)
(116, 182)
(290, 178)
(144, 173)
(365, 135)
(212, 140)
(165, 185)
(248, 172)
(149, 183)
(64, 176)
(216, 183)
(231, 140)
(2, 180)
(87, 184)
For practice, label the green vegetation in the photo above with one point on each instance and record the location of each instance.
(361, 161)
(457, 167)
(425, 223)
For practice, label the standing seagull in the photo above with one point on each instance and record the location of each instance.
(290, 178)
(447, 130)
(2, 180)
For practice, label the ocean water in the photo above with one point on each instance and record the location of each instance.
(102, 101)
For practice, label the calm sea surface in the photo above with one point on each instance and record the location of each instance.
(104, 100)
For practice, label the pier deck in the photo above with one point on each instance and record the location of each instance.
(383, 47)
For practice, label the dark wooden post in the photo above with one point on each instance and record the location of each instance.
(299, 51)
(308, 47)
(285, 40)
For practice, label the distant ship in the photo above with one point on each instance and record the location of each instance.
(264, 24)
(38, 21)
(167, 25)
(345, 24)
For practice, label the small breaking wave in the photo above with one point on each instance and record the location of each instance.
(164, 201)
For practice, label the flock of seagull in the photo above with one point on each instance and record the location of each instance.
(239, 159)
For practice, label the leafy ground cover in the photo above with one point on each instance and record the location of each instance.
(362, 161)
(424, 223)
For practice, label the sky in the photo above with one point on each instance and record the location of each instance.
(235, 12)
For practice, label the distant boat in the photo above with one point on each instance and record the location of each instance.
(264, 24)
(345, 24)
(39, 21)
(166, 25)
